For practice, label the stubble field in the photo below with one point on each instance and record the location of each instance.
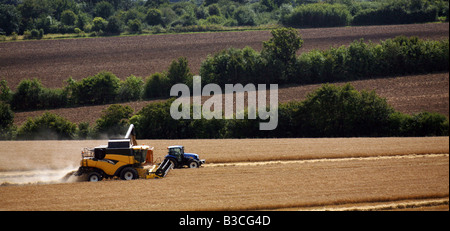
(247, 174)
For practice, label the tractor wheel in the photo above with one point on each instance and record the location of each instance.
(129, 173)
(174, 163)
(193, 164)
(94, 177)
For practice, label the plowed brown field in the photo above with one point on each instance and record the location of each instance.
(53, 61)
(298, 174)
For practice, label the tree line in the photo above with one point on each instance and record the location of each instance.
(102, 88)
(34, 18)
(278, 62)
(329, 111)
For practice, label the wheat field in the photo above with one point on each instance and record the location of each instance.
(247, 174)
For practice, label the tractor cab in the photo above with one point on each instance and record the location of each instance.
(177, 152)
(180, 159)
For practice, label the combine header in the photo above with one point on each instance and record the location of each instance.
(122, 158)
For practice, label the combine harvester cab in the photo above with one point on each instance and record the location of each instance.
(121, 158)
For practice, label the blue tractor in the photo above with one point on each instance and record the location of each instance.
(179, 158)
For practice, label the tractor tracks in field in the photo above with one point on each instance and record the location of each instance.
(417, 204)
(337, 159)
(425, 203)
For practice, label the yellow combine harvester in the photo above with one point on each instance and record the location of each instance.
(122, 158)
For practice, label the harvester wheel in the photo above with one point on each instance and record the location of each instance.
(129, 173)
(193, 164)
(94, 177)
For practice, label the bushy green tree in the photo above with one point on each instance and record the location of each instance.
(154, 121)
(84, 131)
(280, 52)
(157, 85)
(421, 124)
(99, 24)
(6, 116)
(318, 15)
(47, 126)
(103, 9)
(114, 26)
(33, 34)
(6, 121)
(114, 120)
(131, 89)
(9, 19)
(68, 18)
(98, 89)
(5, 92)
(360, 59)
(30, 94)
(244, 16)
(242, 128)
(179, 71)
(398, 12)
(283, 45)
(214, 9)
(26, 96)
(135, 26)
(333, 111)
(52, 98)
(233, 66)
(154, 17)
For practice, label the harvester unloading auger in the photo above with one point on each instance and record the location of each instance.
(122, 158)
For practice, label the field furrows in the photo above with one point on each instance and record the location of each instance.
(53, 61)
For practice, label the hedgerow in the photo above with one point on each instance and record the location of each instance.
(359, 60)
(318, 15)
(330, 111)
(47, 126)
